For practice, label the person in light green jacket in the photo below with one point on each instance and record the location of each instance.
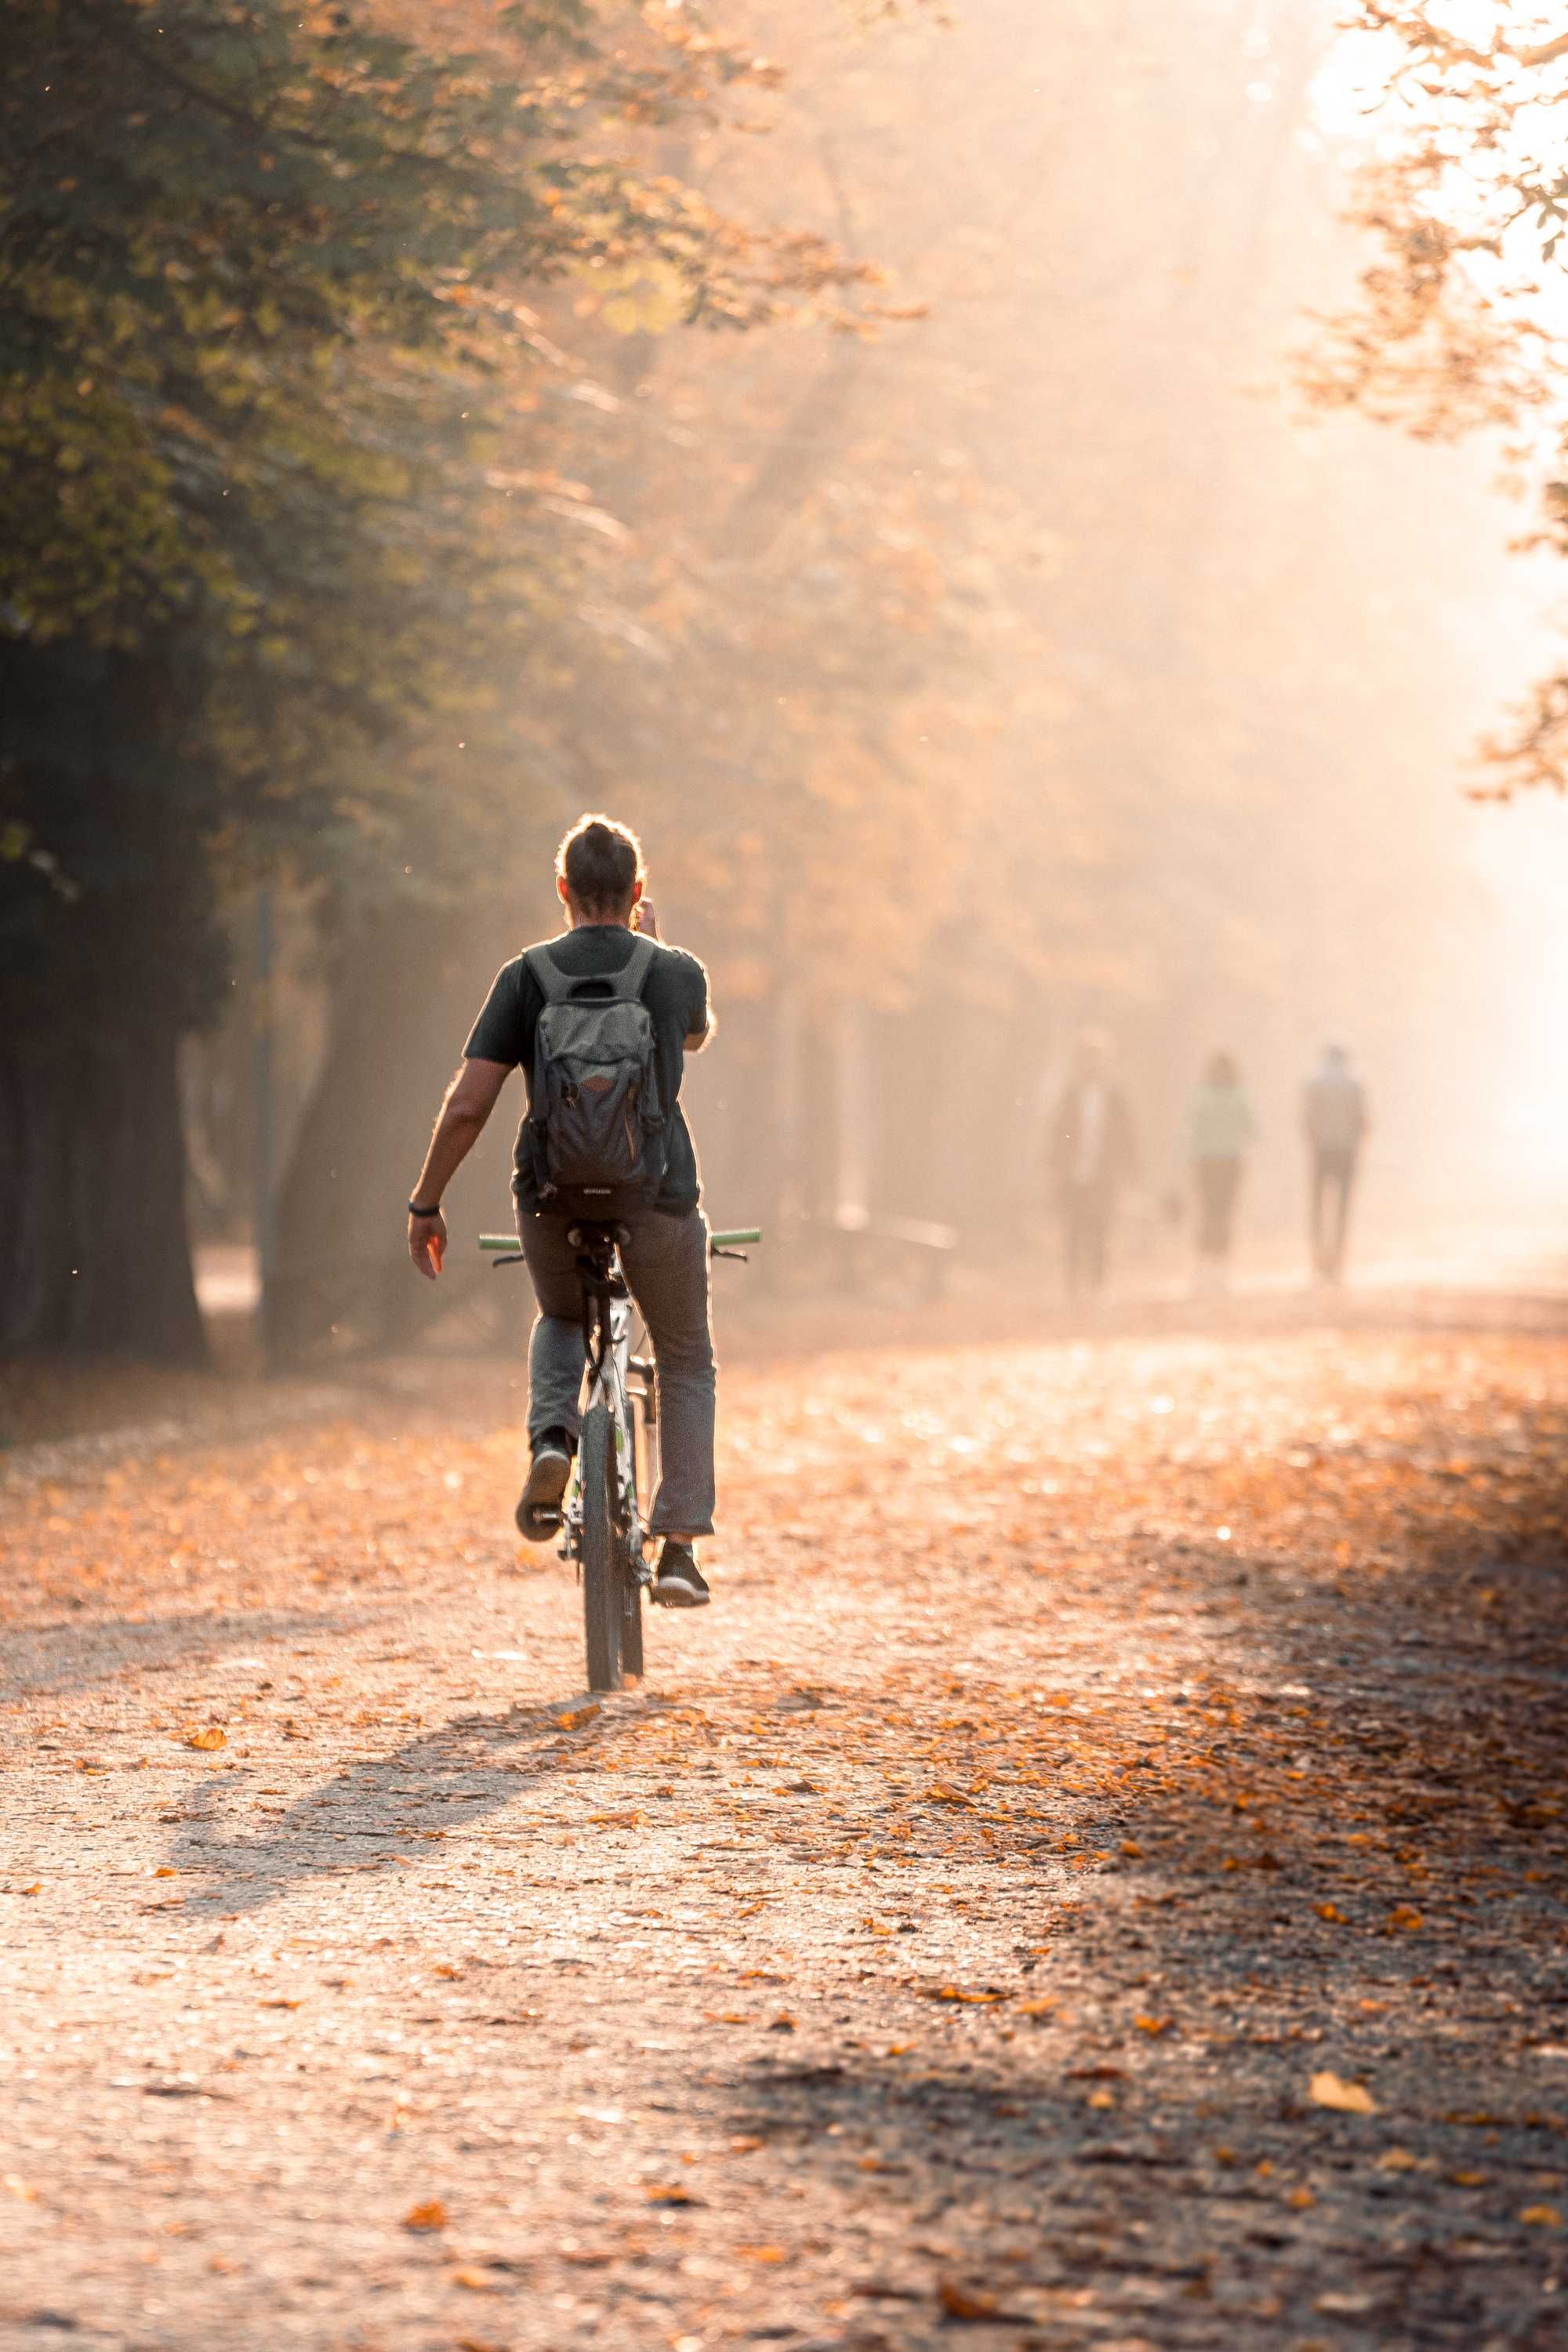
(1220, 1127)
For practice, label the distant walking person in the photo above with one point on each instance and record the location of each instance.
(1220, 1127)
(1334, 1116)
(1091, 1153)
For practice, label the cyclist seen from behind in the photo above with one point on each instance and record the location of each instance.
(619, 1102)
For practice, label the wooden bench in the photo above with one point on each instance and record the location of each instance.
(935, 1243)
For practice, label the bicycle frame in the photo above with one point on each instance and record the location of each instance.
(624, 1384)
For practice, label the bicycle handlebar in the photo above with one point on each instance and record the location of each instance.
(732, 1240)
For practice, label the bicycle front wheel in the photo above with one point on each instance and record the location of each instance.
(644, 1459)
(602, 1547)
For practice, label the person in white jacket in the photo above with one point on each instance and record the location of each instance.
(1220, 1127)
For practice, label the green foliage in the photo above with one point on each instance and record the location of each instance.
(263, 337)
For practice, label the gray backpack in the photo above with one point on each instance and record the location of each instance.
(595, 1124)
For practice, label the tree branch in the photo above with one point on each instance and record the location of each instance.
(1546, 54)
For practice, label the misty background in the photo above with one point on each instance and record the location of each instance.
(1015, 649)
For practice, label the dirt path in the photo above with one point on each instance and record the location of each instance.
(1098, 1757)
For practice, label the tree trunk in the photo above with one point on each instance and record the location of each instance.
(94, 1252)
(405, 984)
(109, 952)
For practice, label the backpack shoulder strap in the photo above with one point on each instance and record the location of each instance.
(628, 983)
(553, 983)
(607, 987)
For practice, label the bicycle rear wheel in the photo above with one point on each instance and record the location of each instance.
(631, 1620)
(602, 1551)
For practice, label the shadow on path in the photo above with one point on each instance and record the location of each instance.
(44, 1660)
(1349, 1855)
(363, 1818)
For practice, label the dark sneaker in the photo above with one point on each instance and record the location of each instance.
(679, 1583)
(539, 1507)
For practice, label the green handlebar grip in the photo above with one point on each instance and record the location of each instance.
(500, 1242)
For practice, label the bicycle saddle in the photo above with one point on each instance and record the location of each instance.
(590, 1237)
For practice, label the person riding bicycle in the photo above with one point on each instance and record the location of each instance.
(599, 877)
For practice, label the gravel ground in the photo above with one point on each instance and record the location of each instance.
(1096, 1877)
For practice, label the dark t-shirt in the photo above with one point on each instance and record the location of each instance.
(676, 994)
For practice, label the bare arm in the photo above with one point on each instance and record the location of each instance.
(645, 918)
(465, 1106)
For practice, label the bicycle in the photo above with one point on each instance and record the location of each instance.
(602, 1523)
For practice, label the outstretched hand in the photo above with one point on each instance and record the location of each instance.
(645, 918)
(427, 1245)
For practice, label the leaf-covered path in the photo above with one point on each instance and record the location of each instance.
(1095, 1877)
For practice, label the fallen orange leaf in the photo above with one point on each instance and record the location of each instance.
(964, 2302)
(1328, 2090)
(1542, 2217)
(430, 2215)
(211, 1737)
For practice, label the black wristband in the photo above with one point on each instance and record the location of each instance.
(416, 1211)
